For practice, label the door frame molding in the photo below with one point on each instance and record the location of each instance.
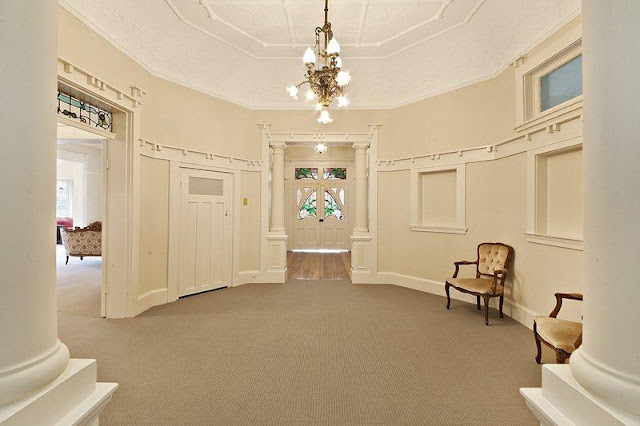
(173, 265)
(364, 253)
(120, 277)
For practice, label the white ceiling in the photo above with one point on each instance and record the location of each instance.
(398, 51)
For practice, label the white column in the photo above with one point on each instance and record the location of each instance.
(362, 188)
(608, 362)
(277, 188)
(31, 356)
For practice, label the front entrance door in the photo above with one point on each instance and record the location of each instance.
(319, 217)
(205, 230)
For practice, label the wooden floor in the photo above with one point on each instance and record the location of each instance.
(318, 266)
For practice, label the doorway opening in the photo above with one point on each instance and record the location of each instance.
(80, 198)
(318, 214)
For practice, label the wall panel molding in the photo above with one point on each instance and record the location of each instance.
(565, 127)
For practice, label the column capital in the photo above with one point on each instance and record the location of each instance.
(360, 146)
(278, 146)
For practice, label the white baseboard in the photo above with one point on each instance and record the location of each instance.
(512, 309)
(150, 299)
(246, 277)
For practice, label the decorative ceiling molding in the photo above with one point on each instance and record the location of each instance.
(209, 11)
(467, 55)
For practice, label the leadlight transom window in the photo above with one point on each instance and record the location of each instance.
(307, 173)
(83, 112)
(335, 173)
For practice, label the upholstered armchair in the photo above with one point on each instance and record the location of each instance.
(560, 335)
(491, 273)
(82, 242)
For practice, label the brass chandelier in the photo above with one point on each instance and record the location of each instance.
(326, 79)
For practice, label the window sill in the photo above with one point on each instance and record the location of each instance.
(438, 229)
(548, 240)
(550, 114)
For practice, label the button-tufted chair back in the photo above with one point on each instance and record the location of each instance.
(492, 257)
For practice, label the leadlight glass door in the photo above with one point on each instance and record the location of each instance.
(320, 218)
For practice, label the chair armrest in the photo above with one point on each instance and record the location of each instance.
(559, 297)
(498, 274)
(572, 296)
(462, 262)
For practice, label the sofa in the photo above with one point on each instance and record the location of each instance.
(83, 242)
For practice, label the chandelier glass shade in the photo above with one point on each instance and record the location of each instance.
(325, 76)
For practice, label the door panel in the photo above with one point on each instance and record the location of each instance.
(205, 225)
(322, 224)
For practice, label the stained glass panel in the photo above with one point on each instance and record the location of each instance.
(309, 207)
(307, 173)
(63, 197)
(334, 173)
(83, 112)
(331, 207)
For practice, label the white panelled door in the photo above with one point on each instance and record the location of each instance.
(319, 218)
(205, 230)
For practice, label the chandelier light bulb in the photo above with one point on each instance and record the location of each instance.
(343, 78)
(342, 101)
(309, 56)
(320, 148)
(310, 95)
(325, 118)
(293, 91)
(338, 62)
(333, 48)
(318, 106)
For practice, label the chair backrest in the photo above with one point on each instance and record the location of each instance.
(492, 257)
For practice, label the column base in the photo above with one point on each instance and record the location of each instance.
(362, 263)
(73, 398)
(562, 401)
(276, 270)
(24, 379)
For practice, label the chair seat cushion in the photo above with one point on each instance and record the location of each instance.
(476, 285)
(559, 333)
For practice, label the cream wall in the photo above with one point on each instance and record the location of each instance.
(250, 221)
(154, 224)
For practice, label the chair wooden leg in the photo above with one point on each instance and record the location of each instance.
(486, 310)
(501, 303)
(446, 289)
(478, 302)
(67, 260)
(560, 357)
(538, 345)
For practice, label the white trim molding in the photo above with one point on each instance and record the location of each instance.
(534, 233)
(530, 69)
(511, 308)
(417, 220)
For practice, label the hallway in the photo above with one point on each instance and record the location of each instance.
(318, 266)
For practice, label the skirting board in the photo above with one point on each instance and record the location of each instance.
(150, 299)
(246, 277)
(512, 309)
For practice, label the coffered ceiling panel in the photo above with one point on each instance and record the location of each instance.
(397, 50)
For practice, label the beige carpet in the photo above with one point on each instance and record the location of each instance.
(305, 352)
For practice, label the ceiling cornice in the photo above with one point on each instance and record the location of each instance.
(296, 107)
(212, 15)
